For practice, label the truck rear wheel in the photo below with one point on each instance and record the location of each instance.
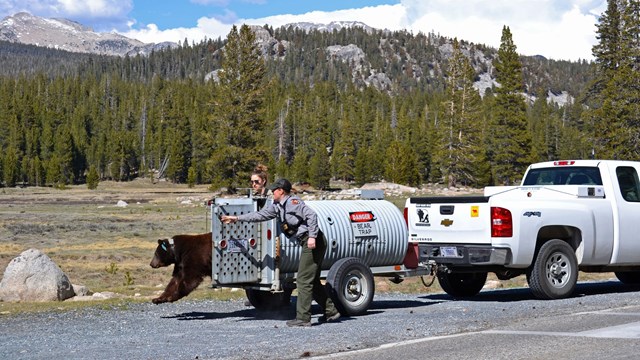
(350, 285)
(460, 285)
(554, 272)
(267, 300)
(628, 277)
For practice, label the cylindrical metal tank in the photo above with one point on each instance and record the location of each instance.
(372, 230)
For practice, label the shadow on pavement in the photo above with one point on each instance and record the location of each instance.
(523, 294)
(379, 306)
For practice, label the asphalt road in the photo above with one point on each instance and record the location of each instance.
(601, 320)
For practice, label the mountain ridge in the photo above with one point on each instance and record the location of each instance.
(68, 35)
(371, 64)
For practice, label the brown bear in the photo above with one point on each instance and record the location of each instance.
(191, 255)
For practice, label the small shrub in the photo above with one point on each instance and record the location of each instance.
(128, 279)
(112, 268)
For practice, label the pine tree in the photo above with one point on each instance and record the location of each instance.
(401, 165)
(545, 130)
(602, 116)
(93, 178)
(299, 170)
(614, 96)
(509, 136)
(1, 171)
(54, 175)
(607, 51)
(629, 80)
(344, 151)
(319, 169)
(362, 170)
(459, 146)
(192, 176)
(64, 156)
(179, 150)
(238, 114)
(10, 167)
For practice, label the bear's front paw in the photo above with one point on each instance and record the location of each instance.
(159, 300)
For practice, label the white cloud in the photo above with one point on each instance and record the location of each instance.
(95, 8)
(554, 29)
(207, 28)
(379, 17)
(211, 2)
(84, 9)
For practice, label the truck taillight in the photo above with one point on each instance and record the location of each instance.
(563, 163)
(501, 222)
(406, 216)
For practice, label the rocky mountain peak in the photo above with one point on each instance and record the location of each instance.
(64, 34)
(334, 25)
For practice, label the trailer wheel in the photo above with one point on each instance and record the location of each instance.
(461, 285)
(628, 277)
(554, 272)
(266, 300)
(350, 285)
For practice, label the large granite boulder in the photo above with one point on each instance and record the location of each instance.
(33, 276)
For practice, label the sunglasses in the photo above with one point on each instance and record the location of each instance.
(255, 181)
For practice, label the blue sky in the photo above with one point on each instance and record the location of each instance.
(557, 29)
(172, 14)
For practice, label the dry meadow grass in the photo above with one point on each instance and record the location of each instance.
(108, 248)
(95, 242)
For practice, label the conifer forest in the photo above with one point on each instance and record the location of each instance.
(209, 112)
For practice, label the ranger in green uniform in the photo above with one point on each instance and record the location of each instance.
(300, 223)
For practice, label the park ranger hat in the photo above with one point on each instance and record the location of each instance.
(283, 184)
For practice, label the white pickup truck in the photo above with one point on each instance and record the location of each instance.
(565, 216)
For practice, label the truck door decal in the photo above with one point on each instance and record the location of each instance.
(423, 217)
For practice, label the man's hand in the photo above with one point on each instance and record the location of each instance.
(311, 243)
(228, 219)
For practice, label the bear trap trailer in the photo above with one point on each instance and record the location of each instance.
(365, 238)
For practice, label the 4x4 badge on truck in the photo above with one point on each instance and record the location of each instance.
(446, 222)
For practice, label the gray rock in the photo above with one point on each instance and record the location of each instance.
(81, 290)
(104, 295)
(33, 276)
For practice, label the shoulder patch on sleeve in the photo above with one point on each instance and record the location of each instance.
(295, 201)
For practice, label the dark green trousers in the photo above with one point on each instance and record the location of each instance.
(308, 280)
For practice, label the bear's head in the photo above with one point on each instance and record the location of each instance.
(164, 255)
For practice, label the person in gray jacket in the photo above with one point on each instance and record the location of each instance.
(299, 223)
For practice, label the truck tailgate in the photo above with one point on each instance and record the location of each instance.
(449, 220)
